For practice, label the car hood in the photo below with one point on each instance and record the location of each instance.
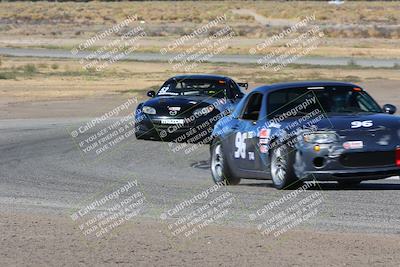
(359, 122)
(379, 130)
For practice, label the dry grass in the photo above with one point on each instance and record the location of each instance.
(354, 29)
(355, 12)
(70, 81)
(166, 18)
(330, 47)
(198, 11)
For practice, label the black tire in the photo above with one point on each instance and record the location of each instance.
(146, 136)
(349, 183)
(220, 170)
(138, 136)
(282, 167)
(142, 136)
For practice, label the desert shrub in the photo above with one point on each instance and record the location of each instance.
(351, 63)
(42, 65)
(352, 78)
(29, 69)
(7, 75)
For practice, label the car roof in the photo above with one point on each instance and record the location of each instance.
(200, 76)
(287, 85)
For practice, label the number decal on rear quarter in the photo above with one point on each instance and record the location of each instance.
(240, 143)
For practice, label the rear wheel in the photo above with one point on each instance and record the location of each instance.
(220, 170)
(282, 170)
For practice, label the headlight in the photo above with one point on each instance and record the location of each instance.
(320, 137)
(149, 110)
(203, 111)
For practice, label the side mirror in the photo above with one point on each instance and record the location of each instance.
(239, 96)
(151, 93)
(244, 85)
(390, 109)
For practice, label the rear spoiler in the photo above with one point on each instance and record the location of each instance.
(244, 85)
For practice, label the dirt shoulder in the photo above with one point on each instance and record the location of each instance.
(384, 91)
(43, 88)
(47, 240)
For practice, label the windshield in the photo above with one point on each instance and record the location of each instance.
(194, 87)
(333, 100)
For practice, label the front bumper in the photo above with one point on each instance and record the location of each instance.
(332, 163)
(360, 174)
(197, 131)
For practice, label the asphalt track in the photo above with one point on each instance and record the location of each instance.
(243, 59)
(41, 169)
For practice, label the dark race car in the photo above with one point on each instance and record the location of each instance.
(186, 108)
(293, 132)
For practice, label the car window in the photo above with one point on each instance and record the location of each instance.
(194, 87)
(341, 99)
(364, 104)
(281, 102)
(252, 108)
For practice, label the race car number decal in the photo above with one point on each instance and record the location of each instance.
(358, 124)
(240, 143)
(163, 90)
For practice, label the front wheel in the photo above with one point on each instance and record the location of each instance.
(220, 170)
(282, 170)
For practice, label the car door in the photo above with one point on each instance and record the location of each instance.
(244, 136)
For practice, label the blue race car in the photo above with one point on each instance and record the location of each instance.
(293, 132)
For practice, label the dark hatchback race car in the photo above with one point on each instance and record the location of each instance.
(293, 132)
(186, 108)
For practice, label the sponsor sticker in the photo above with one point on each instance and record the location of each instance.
(172, 121)
(353, 145)
(264, 133)
(263, 149)
(250, 134)
(263, 139)
(274, 125)
(174, 108)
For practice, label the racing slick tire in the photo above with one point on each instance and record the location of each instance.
(282, 170)
(142, 137)
(220, 170)
(138, 136)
